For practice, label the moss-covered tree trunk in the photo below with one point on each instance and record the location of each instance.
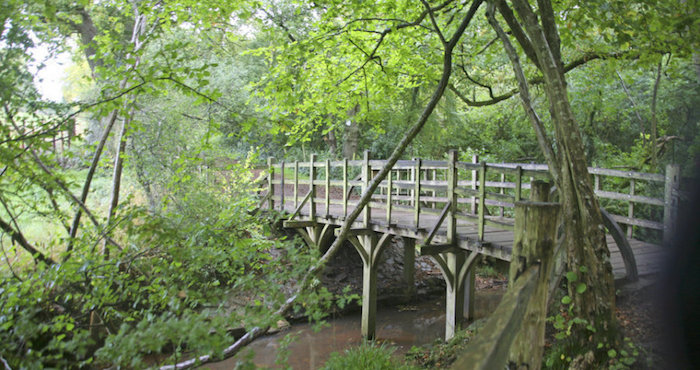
(587, 252)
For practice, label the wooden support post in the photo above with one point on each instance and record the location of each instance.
(389, 192)
(409, 266)
(454, 297)
(469, 291)
(345, 187)
(296, 184)
(328, 187)
(270, 185)
(535, 237)
(671, 195)
(482, 199)
(282, 186)
(312, 187)
(455, 266)
(369, 247)
(366, 175)
(416, 194)
(539, 191)
(630, 209)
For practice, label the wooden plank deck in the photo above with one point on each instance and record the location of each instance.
(497, 242)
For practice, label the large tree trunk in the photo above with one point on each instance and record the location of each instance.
(587, 252)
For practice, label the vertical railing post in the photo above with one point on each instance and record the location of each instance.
(282, 186)
(296, 184)
(270, 185)
(434, 192)
(630, 209)
(482, 199)
(312, 187)
(596, 183)
(328, 187)
(671, 192)
(345, 187)
(366, 174)
(412, 177)
(475, 159)
(452, 180)
(389, 181)
(518, 183)
(502, 191)
(416, 193)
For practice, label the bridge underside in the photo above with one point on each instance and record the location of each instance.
(455, 261)
(497, 243)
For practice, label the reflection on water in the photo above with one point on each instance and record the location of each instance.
(400, 326)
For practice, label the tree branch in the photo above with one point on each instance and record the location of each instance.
(517, 31)
(17, 236)
(537, 124)
(364, 199)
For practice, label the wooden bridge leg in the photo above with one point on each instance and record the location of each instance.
(469, 290)
(455, 266)
(409, 266)
(370, 247)
(454, 298)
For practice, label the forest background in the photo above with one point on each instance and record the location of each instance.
(125, 212)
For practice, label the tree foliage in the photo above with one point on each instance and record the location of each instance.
(187, 95)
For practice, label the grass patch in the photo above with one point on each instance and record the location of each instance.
(366, 356)
(443, 354)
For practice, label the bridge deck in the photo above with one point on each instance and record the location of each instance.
(497, 243)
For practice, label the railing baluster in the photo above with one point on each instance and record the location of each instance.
(502, 191)
(596, 183)
(416, 193)
(518, 183)
(452, 180)
(388, 197)
(312, 187)
(296, 184)
(482, 199)
(328, 186)
(366, 174)
(270, 185)
(434, 203)
(630, 209)
(345, 187)
(282, 186)
(475, 159)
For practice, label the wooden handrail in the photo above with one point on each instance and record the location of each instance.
(497, 185)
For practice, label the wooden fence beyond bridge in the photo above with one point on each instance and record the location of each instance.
(455, 211)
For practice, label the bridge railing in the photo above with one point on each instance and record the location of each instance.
(483, 193)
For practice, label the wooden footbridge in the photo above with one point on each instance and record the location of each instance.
(454, 212)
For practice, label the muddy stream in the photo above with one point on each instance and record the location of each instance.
(401, 326)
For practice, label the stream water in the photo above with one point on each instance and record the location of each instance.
(401, 326)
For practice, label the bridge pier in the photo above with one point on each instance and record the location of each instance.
(457, 270)
(409, 266)
(370, 246)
